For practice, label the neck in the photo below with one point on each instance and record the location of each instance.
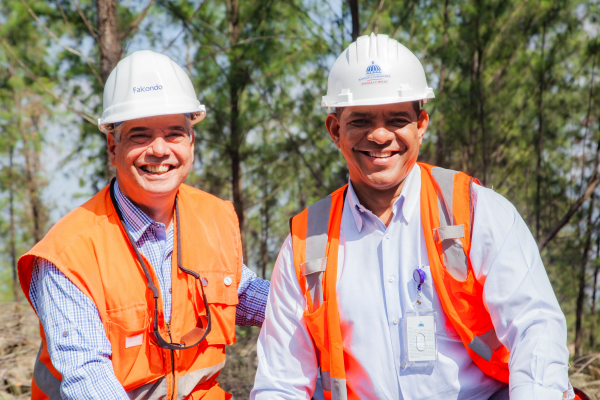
(379, 201)
(158, 207)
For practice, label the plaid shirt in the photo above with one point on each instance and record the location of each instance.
(76, 340)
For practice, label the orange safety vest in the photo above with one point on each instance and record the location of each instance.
(446, 215)
(90, 246)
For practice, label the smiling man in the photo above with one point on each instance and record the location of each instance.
(412, 281)
(139, 289)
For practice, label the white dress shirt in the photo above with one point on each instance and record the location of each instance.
(375, 286)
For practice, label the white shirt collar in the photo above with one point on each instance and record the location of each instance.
(403, 206)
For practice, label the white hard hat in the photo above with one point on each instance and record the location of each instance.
(146, 84)
(376, 70)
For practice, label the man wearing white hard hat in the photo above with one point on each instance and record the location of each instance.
(139, 289)
(412, 281)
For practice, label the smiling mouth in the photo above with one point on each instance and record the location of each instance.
(157, 169)
(386, 154)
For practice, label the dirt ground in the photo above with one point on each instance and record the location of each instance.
(19, 345)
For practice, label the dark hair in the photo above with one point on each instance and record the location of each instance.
(416, 106)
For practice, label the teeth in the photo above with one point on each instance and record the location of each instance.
(156, 169)
(380, 155)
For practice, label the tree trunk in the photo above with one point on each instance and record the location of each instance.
(264, 242)
(110, 54)
(236, 86)
(540, 142)
(594, 298)
(440, 154)
(32, 156)
(481, 119)
(355, 21)
(12, 239)
(582, 279)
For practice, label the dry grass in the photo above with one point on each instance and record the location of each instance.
(19, 345)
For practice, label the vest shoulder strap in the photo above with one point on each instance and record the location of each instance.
(454, 190)
(309, 231)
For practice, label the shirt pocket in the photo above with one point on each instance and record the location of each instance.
(133, 353)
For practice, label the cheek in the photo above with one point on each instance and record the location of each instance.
(128, 157)
(410, 136)
(185, 155)
(348, 140)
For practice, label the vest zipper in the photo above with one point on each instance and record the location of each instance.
(172, 360)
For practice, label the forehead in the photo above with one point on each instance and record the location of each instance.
(380, 110)
(175, 121)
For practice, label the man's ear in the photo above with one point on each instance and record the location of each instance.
(111, 141)
(422, 124)
(193, 144)
(333, 127)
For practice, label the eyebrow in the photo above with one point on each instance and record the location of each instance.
(399, 114)
(142, 129)
(138, 129)
(356, 114)
(176, 128)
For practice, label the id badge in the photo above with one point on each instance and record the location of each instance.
(420, 341)
(419, 349)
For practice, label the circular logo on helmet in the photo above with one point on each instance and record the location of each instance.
(373, 68)
(373, 75)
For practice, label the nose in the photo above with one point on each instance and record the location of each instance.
(158, 148)
(381, 135)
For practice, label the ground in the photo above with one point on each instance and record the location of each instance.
(20, 341)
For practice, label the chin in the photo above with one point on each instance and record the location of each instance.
(384, 185)
(383, 181)
(160, 187)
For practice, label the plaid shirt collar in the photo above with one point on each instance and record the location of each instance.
(136, 220)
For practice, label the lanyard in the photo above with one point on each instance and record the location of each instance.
(198, 331)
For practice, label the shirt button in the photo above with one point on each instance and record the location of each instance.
(396, 320)
(65, 334)
(391, 279)
(227, 280)
(387, 236)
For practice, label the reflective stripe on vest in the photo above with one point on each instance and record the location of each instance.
(448, 241)
(156, 390)
(316, 245)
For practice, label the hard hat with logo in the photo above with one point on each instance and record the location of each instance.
(147, 84)
(376, 70)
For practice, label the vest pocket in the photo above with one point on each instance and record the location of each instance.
(221, 295)
(466, 297)
(317, 326)
(135, 359)
(220, 287)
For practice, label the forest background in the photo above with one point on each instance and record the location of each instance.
(517, 105)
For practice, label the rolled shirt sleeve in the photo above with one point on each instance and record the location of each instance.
(252, 294)
(520, 299)
(75, 336)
